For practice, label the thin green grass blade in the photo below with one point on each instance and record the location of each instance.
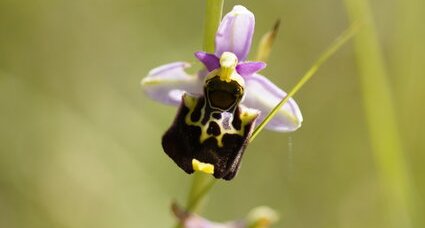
(393, 174)
(342, 39)
(213, 13)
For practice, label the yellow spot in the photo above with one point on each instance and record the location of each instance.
(189, 101)
(203, 167)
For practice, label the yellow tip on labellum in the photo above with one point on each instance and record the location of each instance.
(203, 167)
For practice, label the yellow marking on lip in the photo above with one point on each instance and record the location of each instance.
(203, 167)
(246, 116)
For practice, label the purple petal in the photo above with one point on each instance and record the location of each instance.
(235, 33)
(248, 68)
(167, 83)
(263, 95)
(210, 61)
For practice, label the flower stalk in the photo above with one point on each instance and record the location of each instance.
(213, 13)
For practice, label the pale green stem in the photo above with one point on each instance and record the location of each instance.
(213, 12)
(344, 37)
(381, 119)
(202, 183)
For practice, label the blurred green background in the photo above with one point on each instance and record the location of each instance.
(80, 142)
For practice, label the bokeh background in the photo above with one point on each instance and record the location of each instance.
(80, 142)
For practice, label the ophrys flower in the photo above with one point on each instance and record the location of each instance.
(219, 106)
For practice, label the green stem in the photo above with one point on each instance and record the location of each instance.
(381, 119)
(201, 185)
(204, 183)
(344, 37)
(213, 12)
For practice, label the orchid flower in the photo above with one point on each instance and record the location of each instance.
(219, 106)
(167, 83)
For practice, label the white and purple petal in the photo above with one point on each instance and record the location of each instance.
(167, 83)
(263, 95)
(235, 33)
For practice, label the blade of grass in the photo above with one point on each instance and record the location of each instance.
(381, 119)
(342, 39)
(407, 66)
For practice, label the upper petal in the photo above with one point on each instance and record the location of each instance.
(210, 61)
(235, 33)
(167, 83)
(263, 95)
(249, 68)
